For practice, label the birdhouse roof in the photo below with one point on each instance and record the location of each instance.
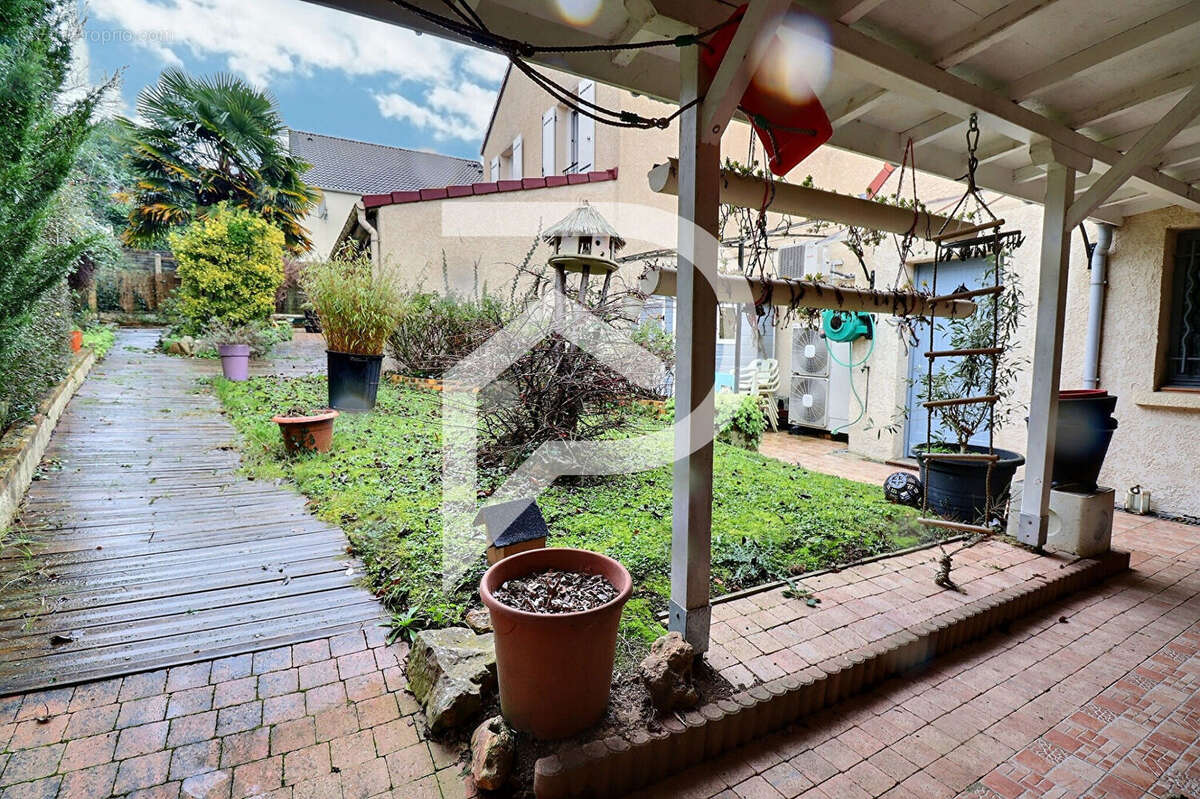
(527, 525)
(584, 221)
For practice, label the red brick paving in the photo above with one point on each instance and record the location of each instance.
(1104, 705)
(244, 726)
(825, 456)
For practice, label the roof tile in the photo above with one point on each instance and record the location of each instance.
(364, 168)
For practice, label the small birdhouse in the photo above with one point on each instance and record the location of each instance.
(586, 244)
(512, 527)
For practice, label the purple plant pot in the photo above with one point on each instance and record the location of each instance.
(235, 361)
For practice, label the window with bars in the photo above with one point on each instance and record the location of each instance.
(1183, 355)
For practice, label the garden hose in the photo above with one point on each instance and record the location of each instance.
(852, 365)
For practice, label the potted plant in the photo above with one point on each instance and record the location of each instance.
(962, 490)
(555, 614)
(306, 430)
(358, 306)
(235, 343)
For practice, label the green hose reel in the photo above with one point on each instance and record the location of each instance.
(847, 325)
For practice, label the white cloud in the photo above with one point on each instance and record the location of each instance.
(458, 112)
(265, 40)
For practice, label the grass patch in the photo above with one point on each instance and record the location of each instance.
(381, 483)
(99, 339)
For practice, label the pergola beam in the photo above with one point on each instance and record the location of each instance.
(1141, 153)
(741, 289)
(990, 30)
(854, 107)
(747, 191)
(746, 51)
(868, 59)
(866, 139)
(851, 11)
(1132, 97)
(1117, 45)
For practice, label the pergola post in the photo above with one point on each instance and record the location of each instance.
(1047, 354)
(691, 522)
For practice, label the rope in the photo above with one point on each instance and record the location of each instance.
(470, 26)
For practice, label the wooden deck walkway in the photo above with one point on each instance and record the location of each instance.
(152, 551)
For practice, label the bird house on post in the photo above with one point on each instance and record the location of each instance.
(586, 244)
(512, 527)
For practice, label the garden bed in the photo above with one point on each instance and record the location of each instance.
(381, 483)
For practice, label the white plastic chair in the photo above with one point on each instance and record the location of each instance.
(761, 378)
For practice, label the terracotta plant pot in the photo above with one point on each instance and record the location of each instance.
(554, 669)
(235, 361)
(307, 433)
(76, 340)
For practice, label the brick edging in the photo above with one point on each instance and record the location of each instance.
(22, 449)
(615, 766)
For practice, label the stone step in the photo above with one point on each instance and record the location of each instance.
(615, 766)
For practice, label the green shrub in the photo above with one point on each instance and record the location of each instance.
(37, 356)
(358, 305)
(99, 339)
(434, 332)
(261, 336)
(737, 418)
(230, 264)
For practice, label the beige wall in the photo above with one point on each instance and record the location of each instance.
(324, 229)
(1156, 443)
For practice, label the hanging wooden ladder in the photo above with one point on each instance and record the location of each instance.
(944, 243)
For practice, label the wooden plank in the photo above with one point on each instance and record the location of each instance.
(156, 552)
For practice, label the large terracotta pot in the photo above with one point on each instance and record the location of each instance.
(555, 670)
(307, 433)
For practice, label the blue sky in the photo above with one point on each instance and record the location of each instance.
(331, 72)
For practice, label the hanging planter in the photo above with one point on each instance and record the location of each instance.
(1082, 435)
(555, 669)
(306, 432)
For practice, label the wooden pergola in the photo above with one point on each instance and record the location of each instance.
(1087, 108)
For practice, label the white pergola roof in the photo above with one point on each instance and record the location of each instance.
(1090, 77)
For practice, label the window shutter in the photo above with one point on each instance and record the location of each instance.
(495, 169)
(549, 122)
(517, 162)
(587, 129)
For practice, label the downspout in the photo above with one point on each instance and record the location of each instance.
(371, 231)
(1098, 264)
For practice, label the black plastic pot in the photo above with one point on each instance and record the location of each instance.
(1081, 437)
(957, 490)
(353, 380)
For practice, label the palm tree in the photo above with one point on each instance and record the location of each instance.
(204, 141)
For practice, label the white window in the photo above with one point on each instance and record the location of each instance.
(495, 168)
(585, 126)
(549, 123)
(518, 160)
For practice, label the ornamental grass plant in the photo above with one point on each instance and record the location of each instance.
(357, 304)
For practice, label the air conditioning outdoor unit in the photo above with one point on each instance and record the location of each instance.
(820, 388)
(808, 405)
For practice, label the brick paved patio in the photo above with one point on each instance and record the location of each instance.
(825, 456)
(1105, 704)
